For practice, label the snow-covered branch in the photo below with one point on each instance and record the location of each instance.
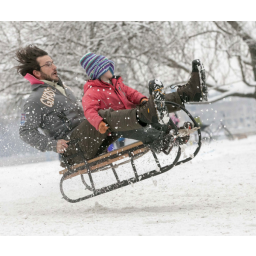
(226, 95)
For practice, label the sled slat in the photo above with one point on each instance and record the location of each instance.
(72, 168)
(141, 150)
(108, 161)
(76, 173)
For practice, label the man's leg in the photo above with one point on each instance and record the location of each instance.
(174, 97)
(137, 118)
(194, 90)
(85, 141)
(146, 135)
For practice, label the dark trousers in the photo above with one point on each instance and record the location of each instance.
(145, 135)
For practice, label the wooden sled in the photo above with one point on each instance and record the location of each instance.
(126, 154)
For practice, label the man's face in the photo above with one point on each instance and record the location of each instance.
(48, 71)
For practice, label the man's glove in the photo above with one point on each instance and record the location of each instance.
(143, 101)
(62, 146)
(103, 127)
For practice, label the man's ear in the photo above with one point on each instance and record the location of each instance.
(37, 74)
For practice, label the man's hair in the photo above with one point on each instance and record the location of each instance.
(27, 58)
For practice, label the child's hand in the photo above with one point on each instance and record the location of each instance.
(103, 127)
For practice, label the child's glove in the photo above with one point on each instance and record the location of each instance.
(103, 127)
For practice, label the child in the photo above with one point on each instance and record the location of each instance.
(105, 91)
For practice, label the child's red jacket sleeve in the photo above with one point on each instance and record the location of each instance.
(91, 106)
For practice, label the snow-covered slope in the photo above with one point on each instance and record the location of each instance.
(212, 195)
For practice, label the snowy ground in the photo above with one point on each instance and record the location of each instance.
(212, 195)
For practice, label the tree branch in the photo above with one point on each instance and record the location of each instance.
(242, 71)
(226, 95)
(205, 32)
(225, 31)
(10, 85)
(236, 26)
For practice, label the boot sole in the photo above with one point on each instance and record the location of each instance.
(159, 101)
(203, 87)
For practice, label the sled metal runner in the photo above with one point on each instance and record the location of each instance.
(131, 152)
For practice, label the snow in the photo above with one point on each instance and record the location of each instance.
(214, 194)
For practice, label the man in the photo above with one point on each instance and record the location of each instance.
(53, 108)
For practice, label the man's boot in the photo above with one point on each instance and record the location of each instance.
(156, 90)
(195, 90)
(155, 110)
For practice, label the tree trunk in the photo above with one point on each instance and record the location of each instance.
(250, 42)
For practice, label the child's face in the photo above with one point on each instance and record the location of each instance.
(107, 75)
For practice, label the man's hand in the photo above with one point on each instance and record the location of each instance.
(103, 127)
(62, 146)
(143, 101)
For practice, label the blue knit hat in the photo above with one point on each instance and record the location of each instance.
(96, 65)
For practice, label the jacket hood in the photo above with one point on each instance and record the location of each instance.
(32, 79)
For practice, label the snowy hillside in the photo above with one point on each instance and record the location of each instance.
(212, 195)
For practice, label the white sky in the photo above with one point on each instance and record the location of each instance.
(127, 10)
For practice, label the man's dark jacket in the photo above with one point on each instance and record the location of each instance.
(48, 110)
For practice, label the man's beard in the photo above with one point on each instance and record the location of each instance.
(48, 78)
